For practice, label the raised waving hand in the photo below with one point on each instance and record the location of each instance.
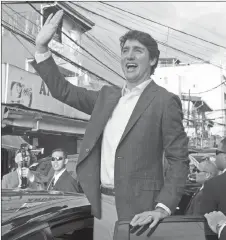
(47, 31)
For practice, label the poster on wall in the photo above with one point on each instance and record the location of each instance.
(28, 89)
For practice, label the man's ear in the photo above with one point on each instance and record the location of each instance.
(153, 61)
(66, 161)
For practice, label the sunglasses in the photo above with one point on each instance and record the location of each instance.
(218, 152)
(198, 171)
(57, 158)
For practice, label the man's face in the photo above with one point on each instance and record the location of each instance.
(58, 161)
(136, 62)
(19, 159)
(202, 174)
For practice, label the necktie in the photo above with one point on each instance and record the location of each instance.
(51, 184)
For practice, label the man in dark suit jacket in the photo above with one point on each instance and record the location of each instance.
(61, 180)
(205, 171)
(214, 191)
(120, 163)
(217, 223)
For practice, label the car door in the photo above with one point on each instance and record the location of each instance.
(37, 232)
(171, 228)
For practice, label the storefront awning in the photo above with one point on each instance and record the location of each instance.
(11, 142)
(34, 121)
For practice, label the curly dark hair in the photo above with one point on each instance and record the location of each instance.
(145, 39)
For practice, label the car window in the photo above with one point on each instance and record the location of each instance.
(187, 228)
(35, 236)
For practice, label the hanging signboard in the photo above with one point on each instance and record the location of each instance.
(29, 90)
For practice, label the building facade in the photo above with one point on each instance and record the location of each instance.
(202, 89)
(28, 109)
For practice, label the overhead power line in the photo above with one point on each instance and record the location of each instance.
(32, 41)
(38, 26)
(209, 90)
(177, 30)
(162, 43)
(22, 44)
(80, 45)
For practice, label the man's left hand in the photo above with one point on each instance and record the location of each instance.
(152, 217)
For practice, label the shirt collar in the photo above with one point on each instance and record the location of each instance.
(57, 175)
(140, 88)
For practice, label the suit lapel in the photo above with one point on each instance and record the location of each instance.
(64, 174)
(144, 101)
(108, 108)
(94, 131)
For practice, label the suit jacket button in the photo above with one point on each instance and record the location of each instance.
(87, 150)
(119, 157)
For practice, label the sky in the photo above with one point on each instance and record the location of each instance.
(202, 19)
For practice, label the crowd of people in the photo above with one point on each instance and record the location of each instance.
(120, 167)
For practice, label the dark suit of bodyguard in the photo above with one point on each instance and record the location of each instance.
(154, 126)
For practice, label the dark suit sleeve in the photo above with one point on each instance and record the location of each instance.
(209, 203)
(223, 234)
(175, 143)
(77, 97)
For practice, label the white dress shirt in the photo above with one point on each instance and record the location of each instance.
(114, 128)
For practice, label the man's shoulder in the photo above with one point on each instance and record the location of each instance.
(67, 176)
(216, 180)
(109, 89)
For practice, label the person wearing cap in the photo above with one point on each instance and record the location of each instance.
(120, 167)
(13, 180)
(214, 191)
(61, 179)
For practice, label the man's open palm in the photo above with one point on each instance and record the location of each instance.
(48, 30)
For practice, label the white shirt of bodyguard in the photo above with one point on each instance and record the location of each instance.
(114, 128)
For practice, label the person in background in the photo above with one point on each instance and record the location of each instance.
(61, 179)
(13, 180)
(217, 223)
(214, 191)
(204, 171)
(120, 166)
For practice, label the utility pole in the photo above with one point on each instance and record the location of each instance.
(188, 108)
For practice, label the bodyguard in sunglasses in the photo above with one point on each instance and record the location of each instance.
(61, 180)
(214, 191)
